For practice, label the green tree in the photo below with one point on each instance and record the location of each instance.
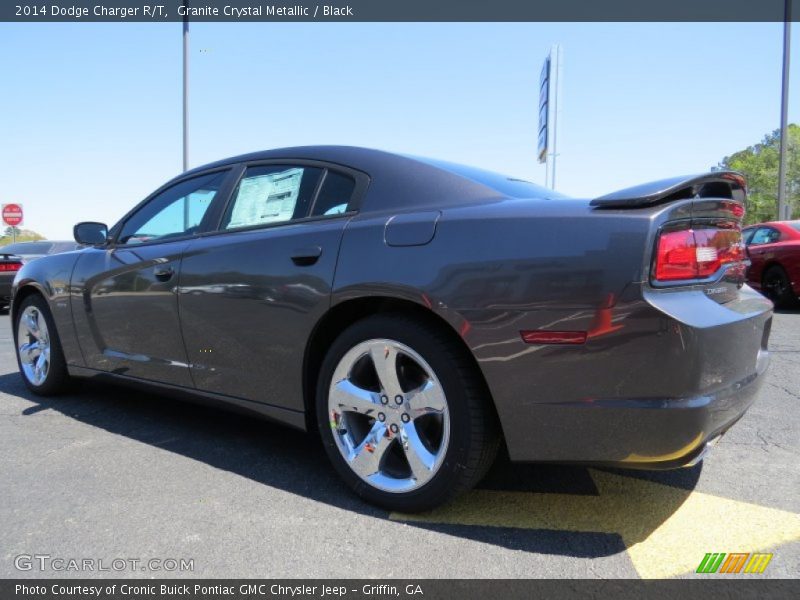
(759, 164)
(23, 235)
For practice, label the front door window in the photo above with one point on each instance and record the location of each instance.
(175, 212)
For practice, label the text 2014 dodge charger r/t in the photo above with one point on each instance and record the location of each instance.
(415, 312)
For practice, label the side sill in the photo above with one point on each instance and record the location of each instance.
(284, 416)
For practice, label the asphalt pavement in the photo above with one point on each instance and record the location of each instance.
(120, 478)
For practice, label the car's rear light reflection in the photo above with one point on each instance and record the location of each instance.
(540, 336)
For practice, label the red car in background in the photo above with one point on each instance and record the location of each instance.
(774, 251)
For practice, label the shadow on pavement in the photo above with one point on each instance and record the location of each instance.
(295, 462)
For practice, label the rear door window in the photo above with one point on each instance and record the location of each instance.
(335, 194)
(271, 194)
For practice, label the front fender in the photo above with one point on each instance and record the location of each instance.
(50, 276)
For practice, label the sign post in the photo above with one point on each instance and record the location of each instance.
(549, 112)
(784, 207)
(12, 216)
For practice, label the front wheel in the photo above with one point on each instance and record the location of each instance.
(39, 356)
(403, 415)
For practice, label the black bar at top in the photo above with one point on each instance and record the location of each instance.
(399, 11)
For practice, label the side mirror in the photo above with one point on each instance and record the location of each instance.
(91, 233)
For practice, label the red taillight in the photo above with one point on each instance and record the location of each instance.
(696, 253)
(10, 266)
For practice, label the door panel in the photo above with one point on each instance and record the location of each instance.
(249, 301)
(127, 312)
(127, 321)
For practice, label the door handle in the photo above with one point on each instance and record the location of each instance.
(163, 273)
(304, 257)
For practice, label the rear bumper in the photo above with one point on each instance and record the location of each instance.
(664, 433)
(674, 372)
(6, 279)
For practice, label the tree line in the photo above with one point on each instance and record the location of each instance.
(759, 164)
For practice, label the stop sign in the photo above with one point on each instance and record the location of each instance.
(12, 214)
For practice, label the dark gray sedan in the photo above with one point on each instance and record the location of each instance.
(417, 313)
(29, 251)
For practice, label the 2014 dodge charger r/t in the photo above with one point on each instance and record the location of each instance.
(416, 313)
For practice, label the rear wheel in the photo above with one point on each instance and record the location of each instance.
(403, 415)
(777, 287)
(39, 356)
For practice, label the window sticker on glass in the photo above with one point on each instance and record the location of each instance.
(266, 198)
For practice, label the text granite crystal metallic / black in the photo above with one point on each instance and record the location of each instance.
(415, 313)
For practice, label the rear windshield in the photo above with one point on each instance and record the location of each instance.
(33, 248)
(509, 186)
(64, 247)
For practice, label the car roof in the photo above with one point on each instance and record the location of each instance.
(21, 247)
(352, 156)
(44, 242)
(34, 242)
(778, 224)
(397, 180)
(788, 228)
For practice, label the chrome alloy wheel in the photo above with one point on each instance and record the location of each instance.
(389, 415)
(33, 345)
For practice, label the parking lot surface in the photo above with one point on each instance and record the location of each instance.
(110, 473)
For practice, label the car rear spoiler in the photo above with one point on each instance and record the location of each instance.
(716, 184)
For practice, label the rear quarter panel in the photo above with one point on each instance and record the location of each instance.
(493, 270)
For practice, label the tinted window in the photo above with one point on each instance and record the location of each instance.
(28, 248)
(175, 212)
(333, 198)
(509, 186)
(271, 194)
(747, 235)
(64, 247)
(765, 235)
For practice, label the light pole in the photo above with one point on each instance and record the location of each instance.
(556, 57)
(186, 111)
(185, 92)
(784, 209)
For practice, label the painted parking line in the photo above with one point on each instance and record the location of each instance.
(667, 530)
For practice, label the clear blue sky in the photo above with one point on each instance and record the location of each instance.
(90, 114)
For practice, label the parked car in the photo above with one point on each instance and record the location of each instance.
(29, 251)
(774, 252)
(9, 265)
(415, 313)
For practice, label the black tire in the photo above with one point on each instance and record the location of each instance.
(473, 427)
(57, 379)
(777, 287)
